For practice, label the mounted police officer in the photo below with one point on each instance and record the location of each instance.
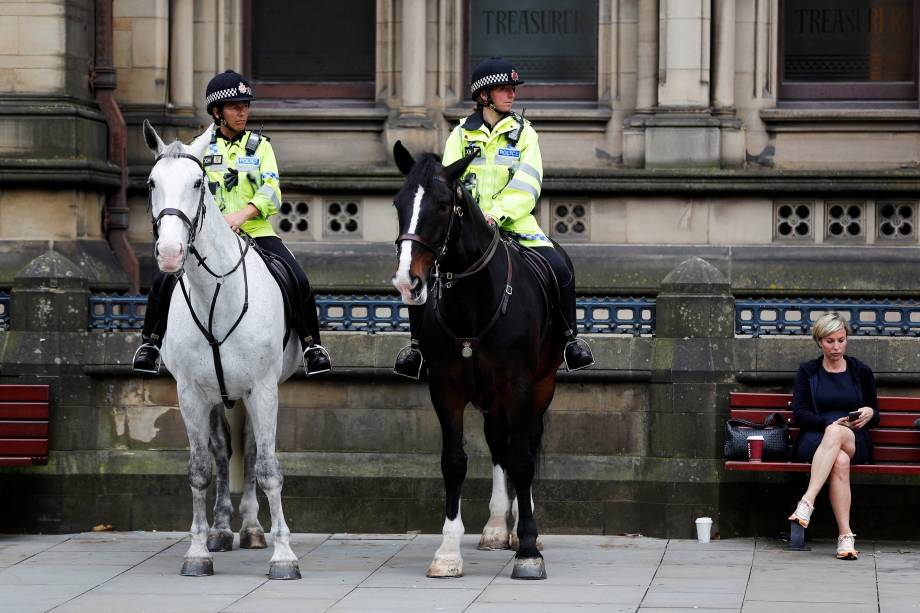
(505, 178)
(243, 177)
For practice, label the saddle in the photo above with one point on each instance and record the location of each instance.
(546, 278)
(290, 289)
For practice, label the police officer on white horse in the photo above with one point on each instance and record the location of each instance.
(243, 176)
(505, 178)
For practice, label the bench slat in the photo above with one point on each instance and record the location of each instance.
(21, 461)
(887, 420)
(24, 393)
(24, 446)
(868, 469)
(23, 429)
(23, 410)
(884, 453)
(781, 401)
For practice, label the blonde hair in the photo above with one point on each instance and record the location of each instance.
(828, 324)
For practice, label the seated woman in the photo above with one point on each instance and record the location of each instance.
(834, 402)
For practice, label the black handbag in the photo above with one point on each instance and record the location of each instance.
(775, 432)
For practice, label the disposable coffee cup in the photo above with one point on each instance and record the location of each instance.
(703, 529)
(755, 448)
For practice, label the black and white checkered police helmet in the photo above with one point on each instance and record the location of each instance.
(491, 73)
(228, 86)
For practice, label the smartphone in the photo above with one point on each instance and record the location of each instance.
(853, 416)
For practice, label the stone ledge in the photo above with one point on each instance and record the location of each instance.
(841, 120)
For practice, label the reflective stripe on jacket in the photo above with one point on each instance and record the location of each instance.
(257, 183)
(508, 178)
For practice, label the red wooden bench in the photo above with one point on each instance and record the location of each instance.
(23, 425)
(895, 440)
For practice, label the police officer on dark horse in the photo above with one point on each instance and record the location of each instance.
(482, 308)
(505, 178)
(243, 177)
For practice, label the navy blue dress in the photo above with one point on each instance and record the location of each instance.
(822, 397)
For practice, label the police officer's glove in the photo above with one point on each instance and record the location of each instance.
(230, 179)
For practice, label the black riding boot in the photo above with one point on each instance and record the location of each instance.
(409, 360)
(147, 357)
(316, 358)
(577, 353)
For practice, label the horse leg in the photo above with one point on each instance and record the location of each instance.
(495, 532)
(262, 404)
(252, 536)
(536, 434)
(528, 563)
(447, 559)
(220, 537)
(198, 560)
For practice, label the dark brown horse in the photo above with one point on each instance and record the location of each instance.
(485, 334)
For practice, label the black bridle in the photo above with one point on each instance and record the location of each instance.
(445, 280)
(193, 227)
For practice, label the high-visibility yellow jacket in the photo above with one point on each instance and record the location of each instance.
(508, 178)
(257, 180)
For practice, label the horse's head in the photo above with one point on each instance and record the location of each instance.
(177, 185)
(425, 207)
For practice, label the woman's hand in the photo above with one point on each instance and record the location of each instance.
(865, 414)
(235, 220)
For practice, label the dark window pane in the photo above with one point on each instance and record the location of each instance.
(317, 41)
(848, 40)
(548, 41)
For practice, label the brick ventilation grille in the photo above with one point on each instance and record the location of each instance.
(793, 220)
(293, 219)
(343, 219)
(571, 220)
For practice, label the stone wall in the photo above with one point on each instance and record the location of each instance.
(632, 445)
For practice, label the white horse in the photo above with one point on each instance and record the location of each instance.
(229, 295)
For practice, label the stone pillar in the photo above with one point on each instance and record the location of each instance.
(647, 51)
(691, 378)
(51, 294)
(723, 91)
(181, 56)
(411, 121)
(413, 57)
(731, 135)
(683, 56)
(646, 84)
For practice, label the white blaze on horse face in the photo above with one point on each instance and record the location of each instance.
(403, 278)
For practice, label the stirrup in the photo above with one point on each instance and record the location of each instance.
(156, 369)
(320, 350)
(409, 370)
(578, 342)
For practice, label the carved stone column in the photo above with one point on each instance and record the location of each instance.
(731, 141)
(181, 65)
(411, 122)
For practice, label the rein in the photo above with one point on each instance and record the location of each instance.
(444, 280)
(193, 227)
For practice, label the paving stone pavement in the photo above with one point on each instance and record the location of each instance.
(137, 572)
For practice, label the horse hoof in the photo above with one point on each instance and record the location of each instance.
(451, 566)
(221, 540)
(284, 570)
(529, 568)
(493, 539)
(197, 567)
(252, 539)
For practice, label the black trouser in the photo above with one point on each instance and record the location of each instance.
(307, 325)
(565, 277)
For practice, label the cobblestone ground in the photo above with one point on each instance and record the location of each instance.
(137, 572)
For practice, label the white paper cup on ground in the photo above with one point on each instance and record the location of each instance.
(703, 529)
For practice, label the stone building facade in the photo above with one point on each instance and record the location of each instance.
(777, 139)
